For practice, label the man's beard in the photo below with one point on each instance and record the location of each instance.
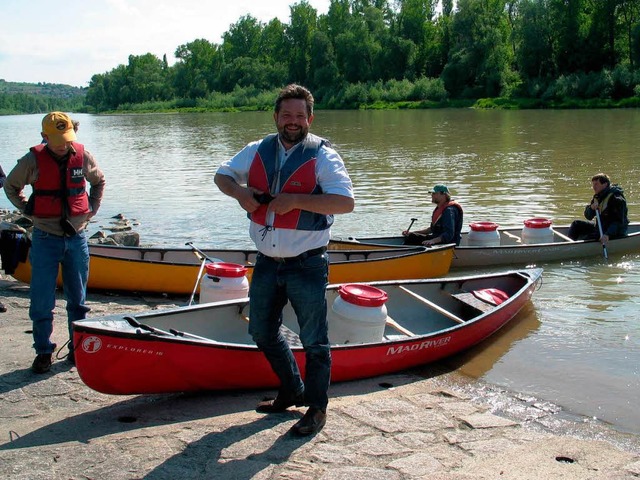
(293, 137)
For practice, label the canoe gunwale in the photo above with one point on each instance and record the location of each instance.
(470, 256)
(530, 278)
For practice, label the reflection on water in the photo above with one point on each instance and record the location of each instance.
(577, 345)
(481, 359)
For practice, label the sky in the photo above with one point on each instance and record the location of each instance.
(68, 42)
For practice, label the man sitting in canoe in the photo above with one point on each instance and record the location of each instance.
(610, 203)
(446, 221)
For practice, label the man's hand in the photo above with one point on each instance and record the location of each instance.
(247, 200)
(283, 203)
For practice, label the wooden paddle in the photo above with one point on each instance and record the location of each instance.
(411, 224)
(604, 247)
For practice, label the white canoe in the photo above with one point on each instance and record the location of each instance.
(512, 250)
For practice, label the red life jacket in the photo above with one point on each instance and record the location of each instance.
(298, 175)
(437, 213)
(50, 190)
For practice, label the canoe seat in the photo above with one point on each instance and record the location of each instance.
(470, 299)
(290, 336)
(394, 337)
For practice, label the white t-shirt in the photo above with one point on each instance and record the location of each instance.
(332, 177)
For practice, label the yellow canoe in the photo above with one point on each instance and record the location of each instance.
(175, 270)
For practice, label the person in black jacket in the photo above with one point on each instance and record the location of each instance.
(609, 201)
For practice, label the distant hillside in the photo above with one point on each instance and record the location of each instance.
(54, 90)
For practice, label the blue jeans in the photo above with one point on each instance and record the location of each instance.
(303, 283)
(47, 253)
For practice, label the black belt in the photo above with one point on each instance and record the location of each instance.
(303, 256)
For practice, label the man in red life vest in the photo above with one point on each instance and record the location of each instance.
(291, 184)
(446, 221)
(60, 208)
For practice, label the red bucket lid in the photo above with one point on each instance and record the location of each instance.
(363, 295)
(223, 269)
(537, 223)
(483, 226)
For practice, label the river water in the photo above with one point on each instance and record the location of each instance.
(577, 344)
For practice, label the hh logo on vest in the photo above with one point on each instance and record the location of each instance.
(76, 173)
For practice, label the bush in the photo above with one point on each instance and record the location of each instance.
(429, 89)
(397, 90)
(354, 95)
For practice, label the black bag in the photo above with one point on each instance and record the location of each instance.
(14, 248)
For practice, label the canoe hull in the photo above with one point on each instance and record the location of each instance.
(174, 271)
(114, 357)
(511, 250)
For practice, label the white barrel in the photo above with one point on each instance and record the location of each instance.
(358, 314)
(483, 234)
(537, 230)
(223, 281)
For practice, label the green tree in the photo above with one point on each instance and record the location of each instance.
(273, 44)
(323, 68)
(534, 40)
(243, 39)
(480, 61)
(147, 79)
(569, 26)
(629, 16)
(97, 94)
(302, 26)
(415, 23)
(196, 71)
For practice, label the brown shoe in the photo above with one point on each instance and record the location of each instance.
(311, 423)
(42, 363)
(280, 403)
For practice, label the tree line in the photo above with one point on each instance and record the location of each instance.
(19, 97)
(398, 52)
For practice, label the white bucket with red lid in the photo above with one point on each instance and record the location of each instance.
(483, 234)
(358, 314)
(223, 281)
(537, 230)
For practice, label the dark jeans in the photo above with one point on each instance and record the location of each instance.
(417, 238)
(301, 282)
(583, 230)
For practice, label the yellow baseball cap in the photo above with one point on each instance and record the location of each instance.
(58, 128)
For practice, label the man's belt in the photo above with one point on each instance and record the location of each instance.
(303, 256)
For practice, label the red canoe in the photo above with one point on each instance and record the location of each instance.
(207, 347)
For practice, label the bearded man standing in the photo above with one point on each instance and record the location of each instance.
(291, 184)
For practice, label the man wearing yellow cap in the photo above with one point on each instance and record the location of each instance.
(60, 208)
